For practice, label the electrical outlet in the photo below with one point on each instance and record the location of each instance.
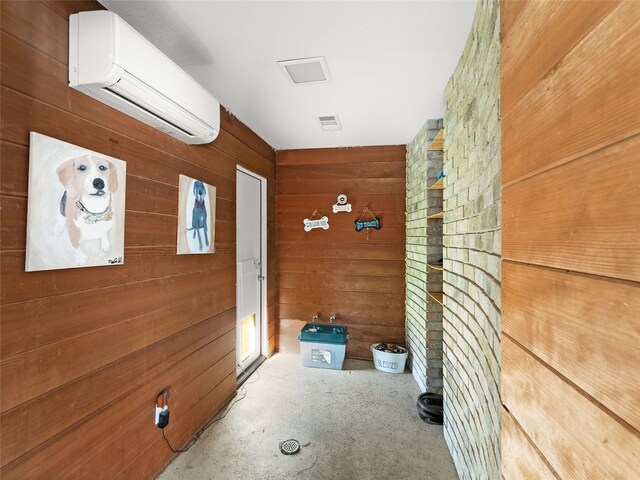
(161, 416)
(163, 419)
(158, 410)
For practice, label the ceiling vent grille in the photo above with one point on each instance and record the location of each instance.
(330, 122)
(305, 71)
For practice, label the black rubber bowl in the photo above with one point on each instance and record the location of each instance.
(430, 398)
(429, 407)
(431, 420)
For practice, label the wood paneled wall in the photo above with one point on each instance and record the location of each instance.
(338, 270)
(84, 352)
(570, 107)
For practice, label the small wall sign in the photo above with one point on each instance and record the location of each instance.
(367, 224)
(342, 205)
(311, 223)
(372, 223)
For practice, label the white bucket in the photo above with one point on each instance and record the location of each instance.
(388, 362)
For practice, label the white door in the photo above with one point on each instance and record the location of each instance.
(249, 246)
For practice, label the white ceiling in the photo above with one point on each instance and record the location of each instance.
(389, 61)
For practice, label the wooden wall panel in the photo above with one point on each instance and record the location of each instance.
(31, 423)
(576, 436)
(84, 352)
(571, 239)
(338, 270)
(33, 373)
(571, 216)
(574, 323)
(526, 63)
(509, 12)
(520, 460)
(178, 432)
(339, 156)
(48, 460)
(144, 465)
(587, 101)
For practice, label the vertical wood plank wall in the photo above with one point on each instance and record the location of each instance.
(570, 107)
(338, 270)
(84, 352)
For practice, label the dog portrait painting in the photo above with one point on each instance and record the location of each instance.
(76, 205)
(196, 216)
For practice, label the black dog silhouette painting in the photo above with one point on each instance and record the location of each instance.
(196, 216)
(76, 206)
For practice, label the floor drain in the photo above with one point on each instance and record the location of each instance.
(289, 447)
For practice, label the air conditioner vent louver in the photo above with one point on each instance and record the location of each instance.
(326, 121)
(160, 123)
(330, 122)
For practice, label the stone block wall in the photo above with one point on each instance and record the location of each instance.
(472, 166)
(424, 244)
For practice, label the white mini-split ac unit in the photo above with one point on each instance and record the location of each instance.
(111, 62)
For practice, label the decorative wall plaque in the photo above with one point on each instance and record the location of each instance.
(366, 224)
(342, 205)
(311, 222)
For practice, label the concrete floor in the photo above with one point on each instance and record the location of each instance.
(357, 423)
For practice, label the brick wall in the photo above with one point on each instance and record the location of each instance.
(424, 244)
(472, 252)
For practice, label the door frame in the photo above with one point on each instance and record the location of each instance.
(264, 341)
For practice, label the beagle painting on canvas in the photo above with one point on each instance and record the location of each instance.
(76, 206)
(86, 206)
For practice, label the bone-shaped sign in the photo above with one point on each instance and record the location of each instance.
(342, 205)
(342, 208)
(322, 223)
(365, 224)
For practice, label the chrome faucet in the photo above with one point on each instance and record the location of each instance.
(332, 318)
(315, 318)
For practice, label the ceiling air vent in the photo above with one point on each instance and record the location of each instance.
(330, 122)
(304, 71)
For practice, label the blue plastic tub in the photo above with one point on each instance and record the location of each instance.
(323, 346)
